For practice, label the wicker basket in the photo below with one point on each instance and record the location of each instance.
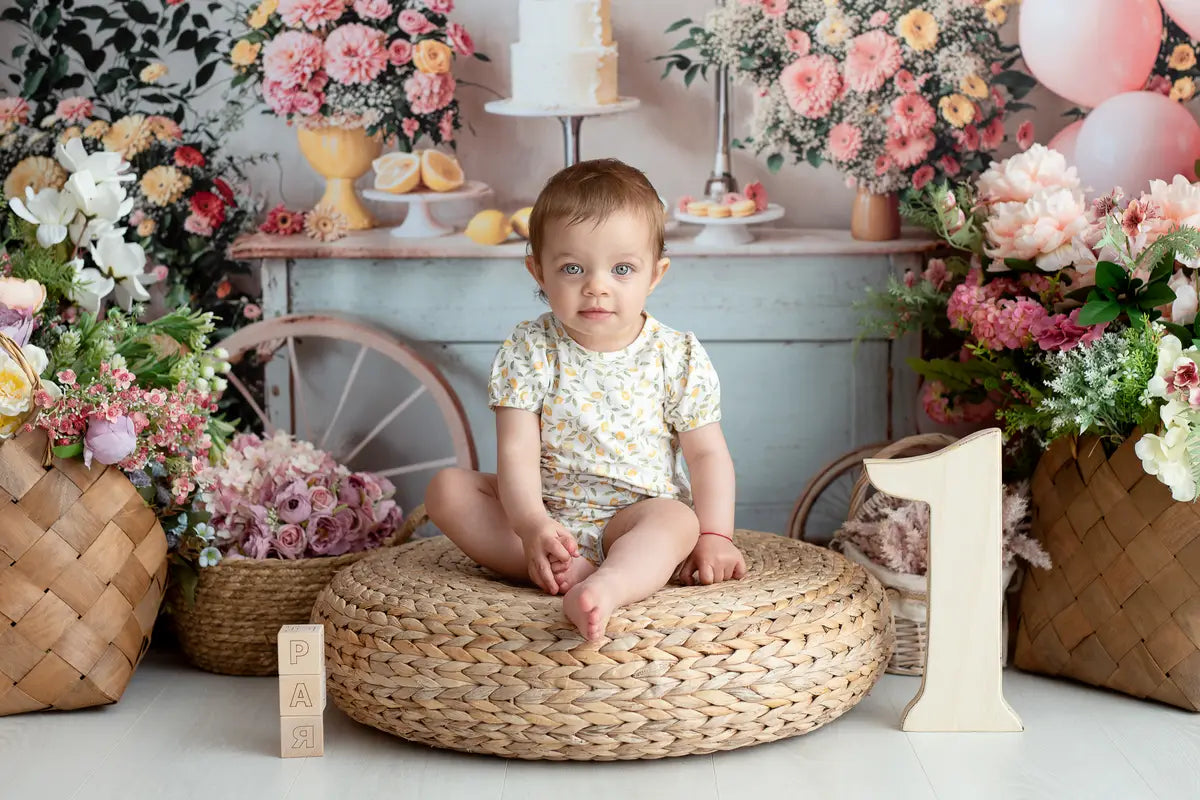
(240, 606)
(1121, 606)
(908, 594)
(83, 565)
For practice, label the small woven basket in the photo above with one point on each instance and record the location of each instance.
(83, 566)
(908, 595)
(240, 605)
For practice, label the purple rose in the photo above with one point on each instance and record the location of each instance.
(293, 503)
(391, 521)
(290, 541)
(350, 522)
(16, 324)
(108, 441)
(257, 542)
(368, 485)
(327, 536)
(322, 500)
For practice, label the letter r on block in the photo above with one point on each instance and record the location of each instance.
(304, 737)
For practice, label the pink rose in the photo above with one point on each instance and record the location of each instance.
(293, 503)
(414, 23)
(460, 40)
(290, 541)
(400, 52)
(373, 9)
(327, 536)
(439, 6)
(257, 541)
(108, 441)
(322, 500)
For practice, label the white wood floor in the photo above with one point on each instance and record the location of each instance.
(180, 733)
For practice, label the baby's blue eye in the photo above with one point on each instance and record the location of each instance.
(622, 269)
(572, 269)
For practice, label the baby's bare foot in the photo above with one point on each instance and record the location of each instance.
(570, 573)
(589, 605)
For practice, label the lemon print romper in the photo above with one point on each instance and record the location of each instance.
(610, 422)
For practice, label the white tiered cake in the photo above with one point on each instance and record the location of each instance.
(566, 57)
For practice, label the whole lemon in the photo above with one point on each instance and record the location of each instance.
(520, 222)
(489, 227)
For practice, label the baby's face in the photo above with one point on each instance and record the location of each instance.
(597, 277)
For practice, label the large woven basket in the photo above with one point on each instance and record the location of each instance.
(423, 643)
(1121, 606)
(83, 565)
(232, 626)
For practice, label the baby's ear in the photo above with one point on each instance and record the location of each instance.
(534, 269)
(660, 269)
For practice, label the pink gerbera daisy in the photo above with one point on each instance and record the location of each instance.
(774, 8)
(912, 115)
(845, 141)
(355, 53)
(798, 43)
(74, 109)
(292, 58)
(871, 59)
(908, 151)
(811, 84)
(1025, 135)
(14, 109)
(922, 176)
(312, 14)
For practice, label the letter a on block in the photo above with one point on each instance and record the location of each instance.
(961, 689)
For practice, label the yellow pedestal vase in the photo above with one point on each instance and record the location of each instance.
(341, 156)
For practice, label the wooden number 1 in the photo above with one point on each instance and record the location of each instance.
(961, 688)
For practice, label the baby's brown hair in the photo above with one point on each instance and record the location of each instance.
(594, 190)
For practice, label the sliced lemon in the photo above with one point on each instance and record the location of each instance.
(489, 227)
(397, 173)
(440, 172)
(520, 222)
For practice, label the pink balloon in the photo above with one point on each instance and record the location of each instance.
(1064, 141)
(1133, 138)
(1089, 50)
(1186, 14)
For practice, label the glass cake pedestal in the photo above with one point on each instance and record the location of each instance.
(571, 118)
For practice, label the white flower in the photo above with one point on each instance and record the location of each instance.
(106, 201)
(1170, 349)
(102, 167)
(210, 557)
(90, 287)
(1183, 309)
(50, 210)
(125, 262)
(1166, 457)
(204, 531)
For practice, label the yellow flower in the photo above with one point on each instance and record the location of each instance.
(128, 136)
(996, 12)
(1183, 90)
(146, 227)
(919, 29)
(1182, 57)
(163, 185)
(164, 129)
(152, 72)
(957, 110)
(70, 133)
(326, 224)
(35, 172)
(259, 16)
(96, 129)
(974, 86)
(432, 57)
(244, 53)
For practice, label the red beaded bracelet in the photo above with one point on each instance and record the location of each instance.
(714, 533)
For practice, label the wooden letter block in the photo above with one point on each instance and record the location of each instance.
(301, 695)
(302, 650)
(961, 689)
(300, 737)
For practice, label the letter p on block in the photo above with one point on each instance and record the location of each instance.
(301, 650)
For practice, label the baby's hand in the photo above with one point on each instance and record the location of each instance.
(546, 542)
(714, 559)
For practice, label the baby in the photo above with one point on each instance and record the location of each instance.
(595, 403)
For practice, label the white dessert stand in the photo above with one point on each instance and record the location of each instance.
(571, 117)
(420, 223)
(724, 231)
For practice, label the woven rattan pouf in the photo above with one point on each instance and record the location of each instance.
(424, 644)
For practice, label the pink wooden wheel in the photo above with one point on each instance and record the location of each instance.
(823, 505)
(313, 363)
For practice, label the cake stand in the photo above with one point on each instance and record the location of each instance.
(725, 231)
(571, 117)
(420, 223)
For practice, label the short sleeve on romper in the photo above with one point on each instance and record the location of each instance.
(520, 374)
(693, 390)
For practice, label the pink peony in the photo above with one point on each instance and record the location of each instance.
(291, 60)
(1021, 177)
(845, 141)
(312, 14)
(439, 6)
(1036, 229)
(774, 8)
(414, 23)
(355, 54)
(909, 151)
(460, 40)
(74, 109)
(410, 127)
(799, 43)
(811, 84)
(373, 9)
(922, 176)
(1025, 135)
(109, 441)
(327, 535)
(428, 93)
(307, 103)
(912, 115)
(1178, 204)
(871, 59)
(290, 541)
(1063, 332)
(14, 110)
(400, 52)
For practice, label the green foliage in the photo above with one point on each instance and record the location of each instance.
(948, 212)
(687, 65)
(901, 309)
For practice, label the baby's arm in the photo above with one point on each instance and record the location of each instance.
(710, 467)
(518, 473)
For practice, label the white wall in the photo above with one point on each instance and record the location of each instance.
(671, 136)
